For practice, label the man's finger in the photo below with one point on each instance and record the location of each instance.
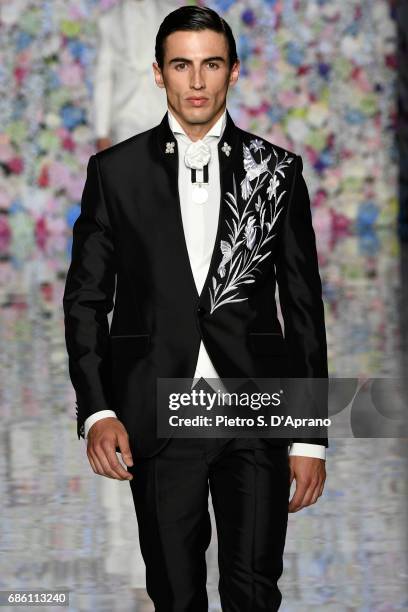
(92, 462)
(316, 494)
(123, 441)
(311, 494)
(99, 467)
(115, 463)
(299, 494)
(100, 452)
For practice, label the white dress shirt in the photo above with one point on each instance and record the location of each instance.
(200, 222)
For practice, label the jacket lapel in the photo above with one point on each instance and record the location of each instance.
(228, 158)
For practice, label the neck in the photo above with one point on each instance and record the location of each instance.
(197, 131)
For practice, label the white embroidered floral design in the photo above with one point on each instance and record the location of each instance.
(170, 147)
(249, 229)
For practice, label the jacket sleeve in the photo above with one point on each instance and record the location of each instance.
(87, 300)
(300, 297)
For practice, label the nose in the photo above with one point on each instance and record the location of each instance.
(197, 81)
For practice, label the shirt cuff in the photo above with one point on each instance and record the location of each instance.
(101, 414)
(308, 450)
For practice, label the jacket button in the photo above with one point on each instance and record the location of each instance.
(201, 310)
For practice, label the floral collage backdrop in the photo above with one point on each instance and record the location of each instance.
(317, 77)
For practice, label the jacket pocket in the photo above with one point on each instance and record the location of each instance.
(135, 345)
(267, 343)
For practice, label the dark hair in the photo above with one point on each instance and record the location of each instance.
(194, 18)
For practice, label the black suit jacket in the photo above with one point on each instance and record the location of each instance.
(130, 229)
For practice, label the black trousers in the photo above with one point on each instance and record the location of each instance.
(249, 484)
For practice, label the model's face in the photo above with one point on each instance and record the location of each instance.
(196, 66)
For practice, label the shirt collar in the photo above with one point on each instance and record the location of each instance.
(216, 130)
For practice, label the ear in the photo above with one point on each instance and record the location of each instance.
(234, 74)
(158, 75)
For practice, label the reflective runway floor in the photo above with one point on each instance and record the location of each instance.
(65, 527)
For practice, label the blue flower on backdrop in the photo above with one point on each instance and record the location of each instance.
(223, 5)
(368, 242)
(72, 214)
(72, 116)
(355, 116)
(23, 40)
(366, 215)
(295, 53)
(248, 17)
(16, 206)
(324, 70)
(244, 46)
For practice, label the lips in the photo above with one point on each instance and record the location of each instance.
(197, 101)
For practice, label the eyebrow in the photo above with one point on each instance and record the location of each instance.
(216, 58)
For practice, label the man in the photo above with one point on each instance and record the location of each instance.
(176, 316)
(125, 98)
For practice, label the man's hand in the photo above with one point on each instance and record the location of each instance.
(103, 143)
(310, 475)
(103, 438)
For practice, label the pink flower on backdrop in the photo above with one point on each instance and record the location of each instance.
(5, 198)
(319, 198)
(52, 205)
(362, 80)
(278, 7)
(53, 249)
(62, 132)
(25, 57)
(327, 33)
(5, 241)
(346, 154)
(83, 153)
(244, 120)
(16, 165)
(322, 221)
(56, 226)
(6, 151)
(312, 155)
(71, 74)
(258, 111)
(391, 61)
(42, 180)
(258, 78)
(58, 175)
(336, 171)
(76, 12)
(5, 231)
(40, 230)
(67, 143)
(340, 223)
(323, 242)
(278, 136)
(104, 4)
(47, 291)
(288, 99)
(374, 143)
(20, 74)
(75, 186)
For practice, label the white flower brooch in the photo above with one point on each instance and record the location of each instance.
(226, 148)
